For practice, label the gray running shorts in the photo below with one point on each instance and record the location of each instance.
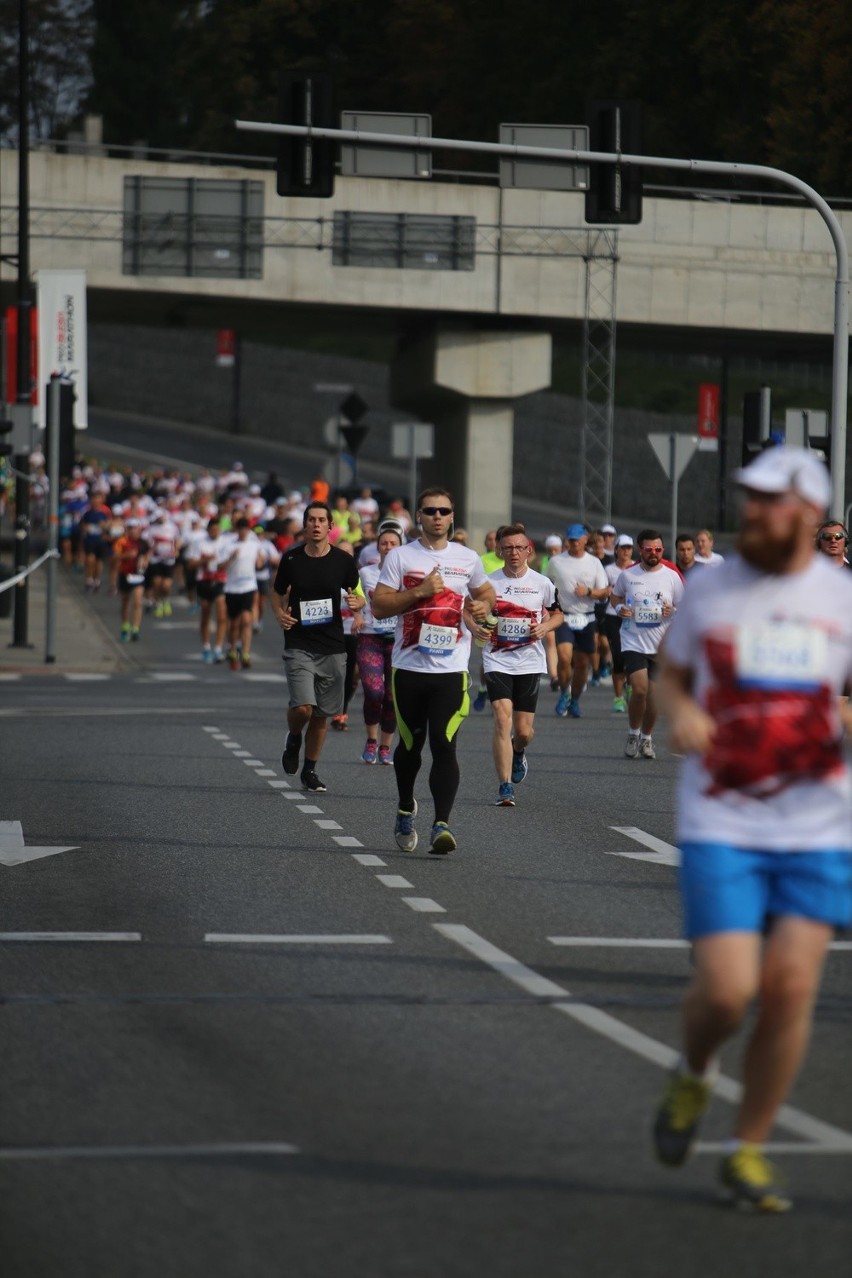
(316, 681)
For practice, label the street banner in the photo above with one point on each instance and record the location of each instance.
(708, 417)
(226, 348)
(62, 346)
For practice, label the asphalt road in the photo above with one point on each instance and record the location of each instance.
(407, 1076)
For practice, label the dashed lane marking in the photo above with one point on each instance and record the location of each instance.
(424, 905)
(70, 936)
(367, 858)
(310, 809)
(297, 938)
(394, 881)
(328, 825)
(347, 841)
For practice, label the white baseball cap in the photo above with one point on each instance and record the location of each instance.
(788, 470)
(607, 528)
(624, 539)
(553, 540)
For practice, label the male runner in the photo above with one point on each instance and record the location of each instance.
(527, 608)
(426, 583)
(581, 581)
(755, 664)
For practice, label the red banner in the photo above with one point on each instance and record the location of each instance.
(11, 327)
(708, 411)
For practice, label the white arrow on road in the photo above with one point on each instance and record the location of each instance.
(13, 850)
(660, 853)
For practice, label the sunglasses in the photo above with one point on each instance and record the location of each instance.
(436, 510)
(832, 536)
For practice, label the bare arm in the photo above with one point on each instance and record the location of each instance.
(692, 729)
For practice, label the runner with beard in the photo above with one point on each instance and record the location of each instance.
(756, 663)
(426, 583)
(645, 596)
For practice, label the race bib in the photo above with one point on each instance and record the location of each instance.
(437, 641)
(384, 625)
(316, 612)
(578, 620)
(513, 629)
(647, 614)
(784, 654)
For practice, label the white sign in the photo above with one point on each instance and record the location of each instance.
(62, 345)
(684, 447)
(413, 439)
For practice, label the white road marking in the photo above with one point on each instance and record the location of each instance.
(310, 808)
(169, 676)
(254, 763)
(294, 794)
(297, 938)
(329, 825)
(367, 858)
(242, 754)
(794, 1120)
(70, 936)
(14, 851)
(9, 678)
(210, 729)
(347, 841)
(424, 905)
(661, 853)
(230, 745)
(265, 772)
(279, 785)
(251, 1149)
(86, 678)
(772, 1147)
(394, 881)
(257, 677)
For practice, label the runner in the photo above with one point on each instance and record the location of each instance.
(374, 652)
(306, 601)
(527, 609)
(131, 554)
(704, 552)
(832, 541)
(491, 561)
(612, 621)
(208, 554)
(426, 582)
(755, 663)
(645, 596)
(164, 536)
(580, 580)
(241, 562)
(685, 559)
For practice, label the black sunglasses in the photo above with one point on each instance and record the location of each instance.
(436, 510)
(832, 536)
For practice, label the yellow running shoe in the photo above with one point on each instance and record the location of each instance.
(676, 1125)
(751, 1183)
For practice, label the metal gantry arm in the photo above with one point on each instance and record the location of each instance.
(761, 172)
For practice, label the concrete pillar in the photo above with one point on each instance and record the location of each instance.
(465, 381)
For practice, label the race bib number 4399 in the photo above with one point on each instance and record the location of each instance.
(784, 654)
(437, 641)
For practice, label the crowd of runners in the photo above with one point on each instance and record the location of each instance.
(749, 656)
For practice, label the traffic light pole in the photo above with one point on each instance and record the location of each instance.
(760, 172)
(21, 460)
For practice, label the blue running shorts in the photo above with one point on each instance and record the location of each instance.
(730, 889)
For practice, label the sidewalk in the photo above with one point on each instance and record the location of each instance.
(82, 643)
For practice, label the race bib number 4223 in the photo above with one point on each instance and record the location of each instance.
(316, 612)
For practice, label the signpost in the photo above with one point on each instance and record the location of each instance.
(413, 440)
(673, 453)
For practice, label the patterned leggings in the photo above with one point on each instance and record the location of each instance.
(374, 663)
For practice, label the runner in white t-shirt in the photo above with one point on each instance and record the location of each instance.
(206, 554)
(645, 596)
(426, 583)
(581, 581)
(527, 609)
(755, 666)
(241, 567)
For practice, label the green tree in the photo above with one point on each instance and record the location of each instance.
(60, 37)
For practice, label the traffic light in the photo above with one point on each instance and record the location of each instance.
(614, 193)
(304, 165)
(757, 422)
(6, 446)
(62, 466)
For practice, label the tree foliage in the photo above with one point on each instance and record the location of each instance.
(60, 37)
(756, 81)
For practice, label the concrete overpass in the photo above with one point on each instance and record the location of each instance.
(472, 277)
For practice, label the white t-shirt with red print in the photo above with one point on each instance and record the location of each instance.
(769, 656)
(431, 637)
(522, 602)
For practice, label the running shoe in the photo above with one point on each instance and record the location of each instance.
(676, 1124)
(404, 831)
(234, 659)
(595, 681)
(134, 634)
(574, 708)
(159, 612)
(646, 749)
(619, 705)
(245, 660)
(167, 609)
(370, 753)
(125, 633)
(505, 796)
(340, 722)
(480, 699)
(207, 655)
(631, 746)
(218, 656)
(385, 756)
(290, 757)
(520, 767)
(442, 840)
(562, 704)
(310, 781)
(751, 1183)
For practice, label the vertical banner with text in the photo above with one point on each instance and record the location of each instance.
(708, 417)
(62, 346)
(11, 354)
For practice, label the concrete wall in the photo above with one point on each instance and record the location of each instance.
(695, 264)
(171, 373)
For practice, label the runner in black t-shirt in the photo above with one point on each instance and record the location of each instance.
(306, 597)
